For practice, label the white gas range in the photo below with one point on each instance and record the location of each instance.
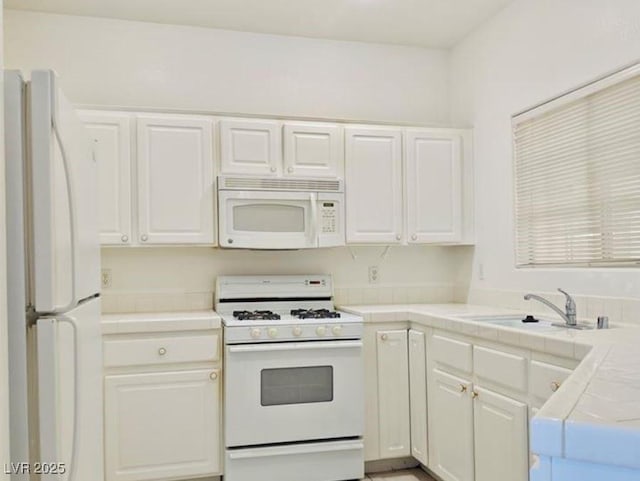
(294, 393)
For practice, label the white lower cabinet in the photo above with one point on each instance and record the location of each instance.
(418, 395)
(162, 425)
(387, 424)
(393, 394)
(501, 441)
(162, 403)
(450, 427)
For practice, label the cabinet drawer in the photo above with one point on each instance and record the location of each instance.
(161, 350)
(546, 379)
(505, 369)
(451, 352)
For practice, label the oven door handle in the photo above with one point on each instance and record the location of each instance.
(296, 346)
(296, 449)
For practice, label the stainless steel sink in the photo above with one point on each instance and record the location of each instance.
(516, 323)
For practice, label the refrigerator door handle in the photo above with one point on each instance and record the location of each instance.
(72, 221)
(48, 409)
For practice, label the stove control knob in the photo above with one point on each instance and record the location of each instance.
(255, 333)
(321, 331)
(273, 332)
(297, 331)
(337, 330)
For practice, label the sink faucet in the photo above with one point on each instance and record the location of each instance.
(570, 307)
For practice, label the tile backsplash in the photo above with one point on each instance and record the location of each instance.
(619, 309)
(175, 300)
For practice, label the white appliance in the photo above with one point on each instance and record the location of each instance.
(294, 395)
(55, 356)
(280, 213)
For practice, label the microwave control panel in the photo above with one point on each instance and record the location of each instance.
(328, 214)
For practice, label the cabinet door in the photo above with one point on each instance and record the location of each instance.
(373, 167)
(450, 427)
(434, 186)
(313, 150)
(175, 180)
(501, 441)
(111, 135)
(162, 425)
(251, 147)
(418, 395)
(393, 394)
(371, 436)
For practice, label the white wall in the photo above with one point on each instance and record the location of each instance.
(4, 356)
(529, 52)
(114, 62)
(119, 63)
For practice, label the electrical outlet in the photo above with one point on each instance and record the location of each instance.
(481, 271)
(106, 278)
(374, 275)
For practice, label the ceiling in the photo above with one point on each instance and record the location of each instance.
(425, 23)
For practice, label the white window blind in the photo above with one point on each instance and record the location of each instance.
(577, 177)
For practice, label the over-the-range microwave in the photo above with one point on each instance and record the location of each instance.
(280, 213)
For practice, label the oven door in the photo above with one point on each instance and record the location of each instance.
(268, 220)
(298, 391)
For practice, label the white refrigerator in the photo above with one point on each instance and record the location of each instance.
(55, 356)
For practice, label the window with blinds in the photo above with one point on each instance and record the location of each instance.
(577, 177)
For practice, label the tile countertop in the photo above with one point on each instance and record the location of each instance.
(129, 323)
(595, 415)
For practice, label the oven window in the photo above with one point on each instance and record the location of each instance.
(268, 218)
(296, 385)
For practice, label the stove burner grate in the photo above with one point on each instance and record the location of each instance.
(256, 315)
(314, 314)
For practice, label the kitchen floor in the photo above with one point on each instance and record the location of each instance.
(404, 475)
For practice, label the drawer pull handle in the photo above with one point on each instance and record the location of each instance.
(384, 337)
(555, 386)
(213, 376)
(474, 394)
(162, 351)
(463, 388)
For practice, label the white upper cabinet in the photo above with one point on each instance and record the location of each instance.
(313, 150)
(252, 147)
(175, 180)
(433, 186)
(373, 168)
(111, 136)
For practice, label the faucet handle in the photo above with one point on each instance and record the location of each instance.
(570, 304)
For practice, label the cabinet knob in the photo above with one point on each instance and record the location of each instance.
(474, 394)
(384, 337)
(463, 388)
(555, 386)
(125, 238)
(213, 376)
(414, 237)
(290, 169)
(273, 169)
(144, 237)
(398, 237)
(162, 351)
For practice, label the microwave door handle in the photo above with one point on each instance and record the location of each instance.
(313, 232)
